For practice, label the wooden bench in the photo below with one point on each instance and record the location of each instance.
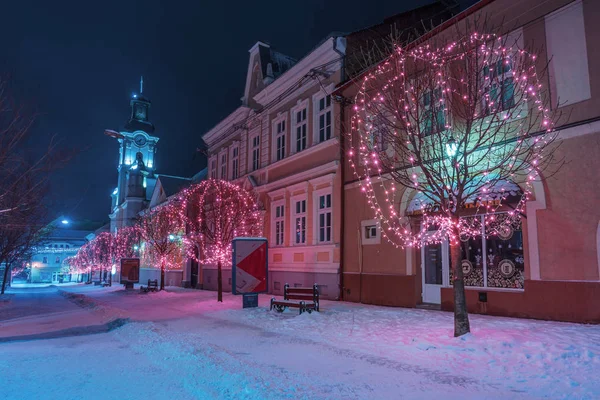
(302, 298)
(152, 286)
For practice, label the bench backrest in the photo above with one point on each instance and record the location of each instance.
(301, 293)
(152, 282)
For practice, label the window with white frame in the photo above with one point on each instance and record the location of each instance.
(223, 165)
(279, 223)
(301, 127)
(324, 111)
(255, 149)
(279, 140)
(299, 221)
(324, 218)
(235, 162)
(370, 232)
(213, 168)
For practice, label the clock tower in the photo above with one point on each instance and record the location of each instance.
(136, 164)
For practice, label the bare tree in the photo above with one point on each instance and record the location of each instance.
(20, 229)
(216, 212)
(462, 120)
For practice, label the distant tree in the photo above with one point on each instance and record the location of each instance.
(163, 245)
(216, 212)
(104, 254)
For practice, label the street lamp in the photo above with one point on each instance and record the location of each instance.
(451, 147)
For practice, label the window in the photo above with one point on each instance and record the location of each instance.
(280, 140)
(370, 231)
(324, 118)
(223, 166)
(301, 127)
(434, 112)
(499, 86)
(45, 260)
(255, 153)
(57, 261)
(213, 168)
(279, 217)
(494, 260)
(324, 218)
(299, 220)
(235, 162)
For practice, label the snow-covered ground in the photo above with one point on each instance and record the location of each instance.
(182, 344)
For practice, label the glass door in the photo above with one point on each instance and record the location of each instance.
(435, 271)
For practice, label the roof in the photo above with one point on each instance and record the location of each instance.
(279, 62)
(404, 27)
(136, 125)
(67, 234)
(173, 184)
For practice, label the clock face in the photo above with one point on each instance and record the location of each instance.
(139, 140)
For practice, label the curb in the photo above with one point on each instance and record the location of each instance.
(69, 332)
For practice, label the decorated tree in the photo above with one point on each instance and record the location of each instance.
(104, 254)
(216, 212)
(83, 261)
(161, 231)
(460, 120)
(127, 242)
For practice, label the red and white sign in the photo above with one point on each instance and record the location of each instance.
(250, 271)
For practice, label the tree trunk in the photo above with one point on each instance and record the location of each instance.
(162, 276)
(219, 282)
(6, 269)
(461, 317)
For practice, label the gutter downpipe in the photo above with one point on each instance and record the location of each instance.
(343, 103)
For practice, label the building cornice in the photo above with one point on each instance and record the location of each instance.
(323, 169)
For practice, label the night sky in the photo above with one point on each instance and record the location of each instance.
(79, 62)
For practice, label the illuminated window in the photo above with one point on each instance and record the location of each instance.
(299, 219)
(279, 217)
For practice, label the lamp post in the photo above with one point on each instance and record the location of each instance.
(451, 147)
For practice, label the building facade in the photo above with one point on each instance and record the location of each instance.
(556, 245)
(283, 143)
(48, 263)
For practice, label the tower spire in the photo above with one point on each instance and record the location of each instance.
(141, 84)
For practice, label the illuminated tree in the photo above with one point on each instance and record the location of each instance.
(217, 212)
(83, 261)
(161, 230)
(127, 242)
(104, 254)
(460, 120)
